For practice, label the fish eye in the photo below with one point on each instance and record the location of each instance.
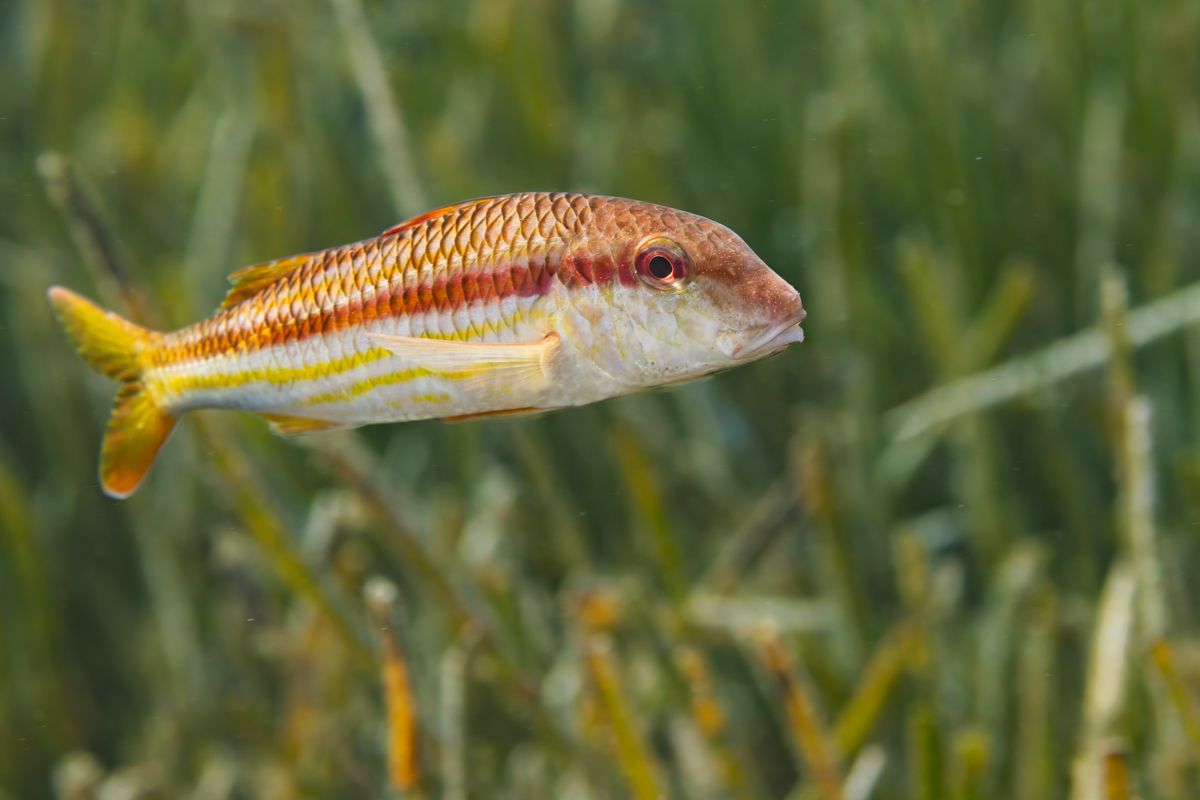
(661, 268)
(662, 264)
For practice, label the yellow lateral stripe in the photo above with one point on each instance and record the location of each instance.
(431, 399)
(179, 384)
(360, 388)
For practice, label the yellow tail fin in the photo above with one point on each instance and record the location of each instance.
(113, 346)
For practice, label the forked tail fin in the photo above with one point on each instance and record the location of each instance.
(113, 346)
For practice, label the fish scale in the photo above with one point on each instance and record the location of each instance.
(434, 295)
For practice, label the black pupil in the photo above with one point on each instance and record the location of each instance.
(661, 268)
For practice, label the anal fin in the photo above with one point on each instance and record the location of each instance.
(508, 412)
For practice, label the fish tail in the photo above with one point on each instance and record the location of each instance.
(138, 425)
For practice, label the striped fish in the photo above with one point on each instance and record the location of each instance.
(503, 305)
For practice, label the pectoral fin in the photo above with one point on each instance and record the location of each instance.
(482, 367)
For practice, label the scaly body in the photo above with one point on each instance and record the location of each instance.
(518, 303)
(485, 272)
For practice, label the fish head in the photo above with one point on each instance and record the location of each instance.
(692, 299)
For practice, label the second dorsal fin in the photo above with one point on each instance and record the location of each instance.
(250, 280)
(437, 212)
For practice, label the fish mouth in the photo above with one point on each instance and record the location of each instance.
(773, 340)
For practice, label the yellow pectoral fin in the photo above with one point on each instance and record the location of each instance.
(477, 367)
(283, 425)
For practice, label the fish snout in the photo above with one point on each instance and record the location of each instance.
(793, 308)
(770, 297)
(778, 310)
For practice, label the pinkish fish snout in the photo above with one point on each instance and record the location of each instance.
(773, 310)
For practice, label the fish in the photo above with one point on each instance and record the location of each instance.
(499, 306)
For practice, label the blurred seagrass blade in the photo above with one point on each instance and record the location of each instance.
(875, 686)
(95, 242)
(568, 540)
(752, 539)
(452, 676)
(1099, 187)
(865, 773)
(620, 717)
(711, 718)
(961, 340)
(218, 203)
(1064, 359)
(382, 110)
(741, 615)
(1131, 420)
(815, 748)
(1163, 657)
(646, 497)
(1035, 747)
(1105, 690)
(403, 765)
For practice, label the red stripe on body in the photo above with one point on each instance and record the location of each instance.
(282, 325)
(451, 235)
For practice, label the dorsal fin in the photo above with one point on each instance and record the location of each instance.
(437, 212)
(250, 280)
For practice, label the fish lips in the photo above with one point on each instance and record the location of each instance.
(773, 339)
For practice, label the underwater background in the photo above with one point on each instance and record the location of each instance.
(946, 548)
